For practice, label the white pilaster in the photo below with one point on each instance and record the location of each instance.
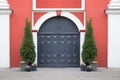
(113, 12)
(5, 12)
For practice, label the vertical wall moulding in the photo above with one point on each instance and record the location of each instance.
(113, 12)
(35, 43)
(5, 12)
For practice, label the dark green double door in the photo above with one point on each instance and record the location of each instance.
(58, 43)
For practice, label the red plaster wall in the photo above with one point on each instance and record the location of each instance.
(58, 3)
(95, 10)
(80, 16)
(37, 16)
(21, 10)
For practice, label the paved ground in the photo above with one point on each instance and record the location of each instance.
(59, 74)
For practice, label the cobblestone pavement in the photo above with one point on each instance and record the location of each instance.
(59, 74)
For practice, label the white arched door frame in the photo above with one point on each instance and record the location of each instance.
(48, 15)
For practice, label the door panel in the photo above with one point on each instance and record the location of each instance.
(58, 51)
(58, 47)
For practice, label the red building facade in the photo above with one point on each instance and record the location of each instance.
(39, 11)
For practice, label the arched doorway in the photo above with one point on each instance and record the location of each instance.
(58, 43)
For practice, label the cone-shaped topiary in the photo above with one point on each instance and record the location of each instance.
(89, 51)
(27, 50)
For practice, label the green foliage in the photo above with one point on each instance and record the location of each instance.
(27, 50)
(89, 52)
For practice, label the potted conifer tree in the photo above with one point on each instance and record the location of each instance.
(27, 50)
(89, 51)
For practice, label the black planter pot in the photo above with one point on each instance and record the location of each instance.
(83, 67)
(89, 68)
(34, 68)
